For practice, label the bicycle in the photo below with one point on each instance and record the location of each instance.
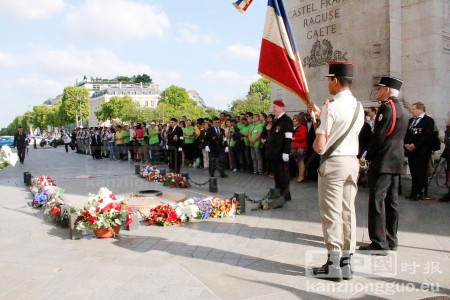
(439, 173)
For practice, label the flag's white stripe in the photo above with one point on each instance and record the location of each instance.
(274, 25)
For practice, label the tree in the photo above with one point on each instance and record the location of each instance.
(251, 103)
(27, 120)
(56, 116)
(74, 102)
(144, 78)
(175, 96)
(123, 79)
(131, 112)
(115, 108)
(41, 115)
(262, 88)
(257, 99)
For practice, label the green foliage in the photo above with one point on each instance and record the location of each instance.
(41, 115)
(211, 112)
(262, 88)
(176, 96)
(27, 119)
(144, 78)
(131, 112)
(123, 79)
(257, 99)
(56, 116)
(115, 108)
(75, 101)
(252, 103)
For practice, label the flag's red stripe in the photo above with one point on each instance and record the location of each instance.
(276, 64)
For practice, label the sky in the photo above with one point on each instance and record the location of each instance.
(203, 45)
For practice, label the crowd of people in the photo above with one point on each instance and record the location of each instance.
(245, 136)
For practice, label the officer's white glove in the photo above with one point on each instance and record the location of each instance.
(226, 149)
(285, 157)
(180, 149)
(207, 149)
(167, 147)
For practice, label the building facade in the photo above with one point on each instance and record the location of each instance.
(408, 39)
(145, 95)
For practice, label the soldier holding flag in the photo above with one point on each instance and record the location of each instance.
(337, 142)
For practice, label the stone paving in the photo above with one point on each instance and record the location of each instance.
(257, 255)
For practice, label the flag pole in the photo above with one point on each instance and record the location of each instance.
(308, 98)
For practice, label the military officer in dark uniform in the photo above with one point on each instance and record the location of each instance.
(418, 148)
(20, 143)
(174, 146)
(216, 144)
(386, 155)
(278, 147)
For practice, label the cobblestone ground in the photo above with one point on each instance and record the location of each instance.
(257, 255)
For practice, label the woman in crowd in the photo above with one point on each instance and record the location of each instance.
(189, 139)
(299, 145)
(137, 141)
(203, 143)
(110, 134)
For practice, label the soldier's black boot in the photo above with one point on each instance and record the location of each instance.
(275, 200)
(346, 266)
(331, 270)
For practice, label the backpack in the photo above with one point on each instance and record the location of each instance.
(435, 142)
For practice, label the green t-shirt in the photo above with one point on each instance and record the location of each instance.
(244, 132)
(240, 125)
(153, 133)
(188, 131)
(143, 142)
(126, 135)
(257, 128)
(232, 141)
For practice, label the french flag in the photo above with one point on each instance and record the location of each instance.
(279, 60)
(242, 5)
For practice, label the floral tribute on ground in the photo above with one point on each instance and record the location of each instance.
(7, 157)
(44, 190)
(151, 173)
(103, 210)
(191, 209)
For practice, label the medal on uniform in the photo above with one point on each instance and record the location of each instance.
(380, 117)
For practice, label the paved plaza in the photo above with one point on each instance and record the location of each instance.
(257, 255)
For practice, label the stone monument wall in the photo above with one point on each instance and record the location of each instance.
(408, 39)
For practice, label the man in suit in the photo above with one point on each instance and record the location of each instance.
(174, 146)
(418, 148)
(216, 144)
(386, 156)
(20, 143)
(278, 147)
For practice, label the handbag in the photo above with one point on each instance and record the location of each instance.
(336, 144)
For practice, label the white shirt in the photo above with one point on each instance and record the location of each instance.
(335, 119)
(417, 120)
(67, 139)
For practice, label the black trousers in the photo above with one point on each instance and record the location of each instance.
(281, 175)
(174, 160)
(216, 162)
(418, 165)
(383, 210)
(21, 153)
